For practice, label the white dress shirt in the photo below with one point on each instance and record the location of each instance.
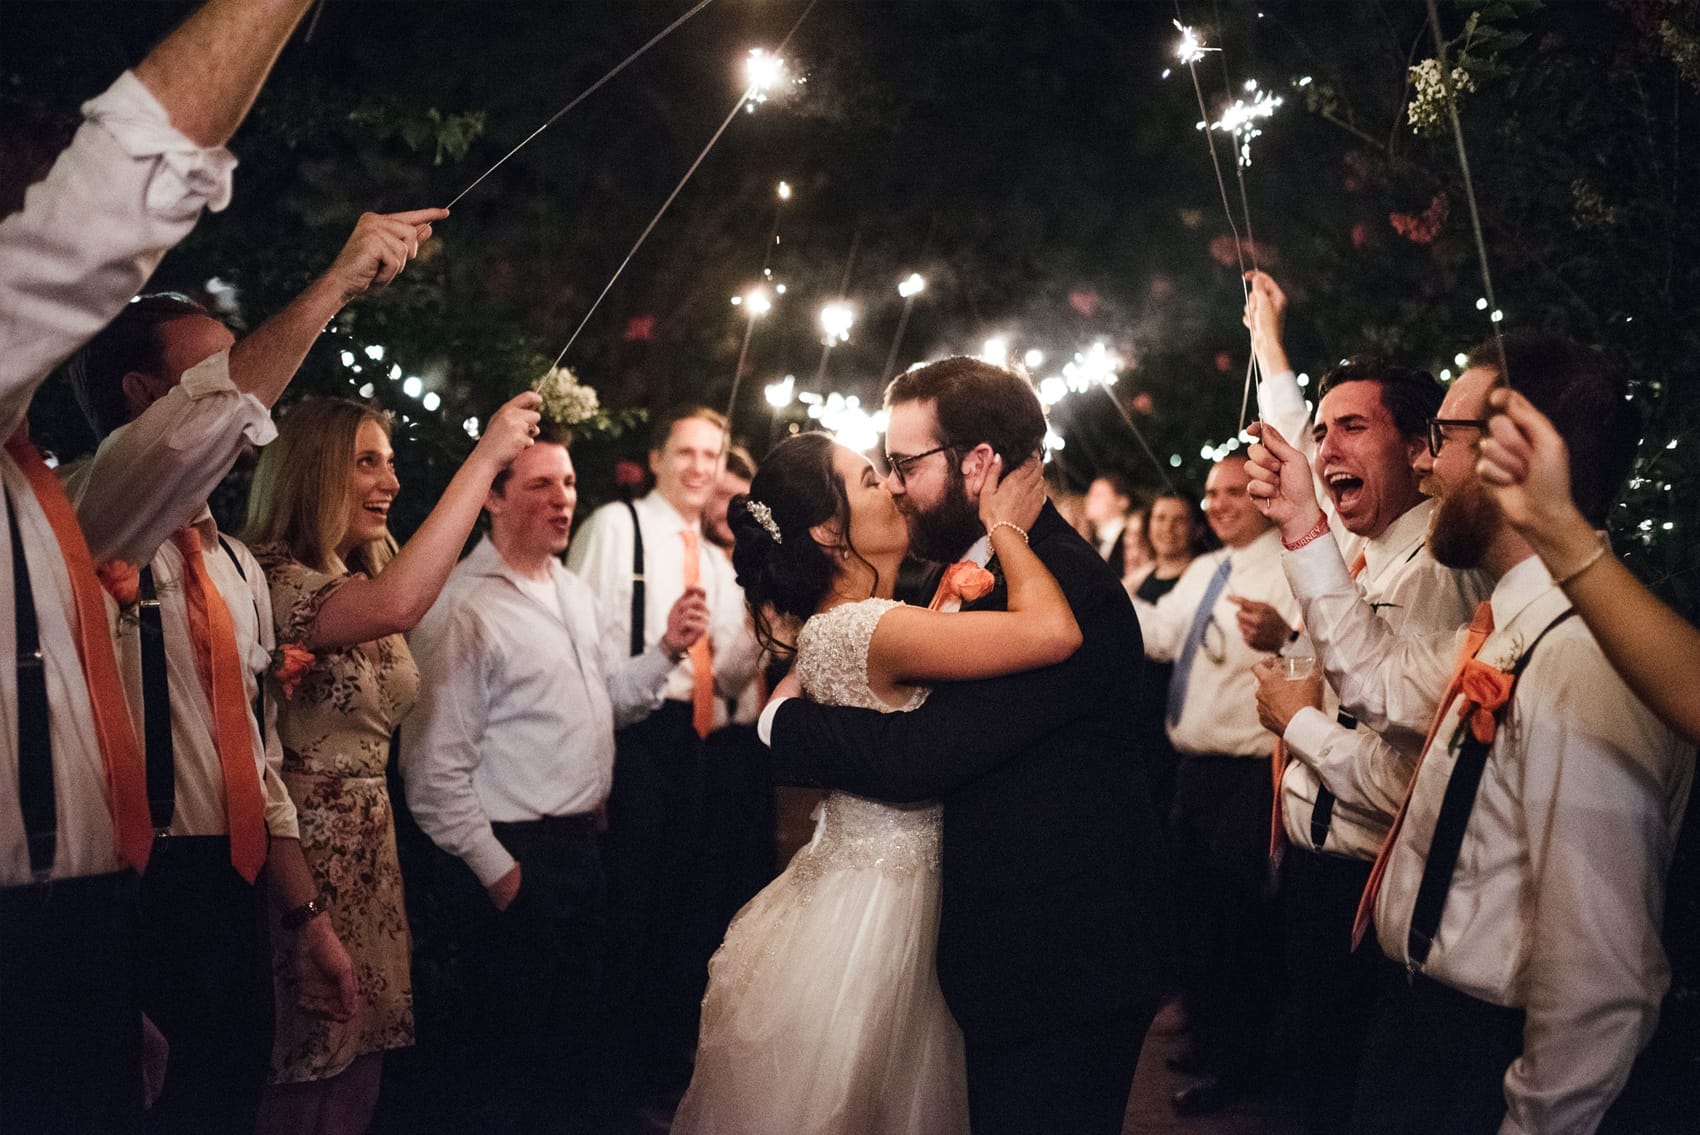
(127, 189)
(1220, 712)
(1558, 894)
(601, 555)
(518, 703)
(1367, 772)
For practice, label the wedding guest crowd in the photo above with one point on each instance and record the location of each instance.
(1423, 745)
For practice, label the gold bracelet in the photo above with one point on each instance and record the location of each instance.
(1598, 554)
(1020, 531)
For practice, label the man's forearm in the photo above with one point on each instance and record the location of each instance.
(263, 363)
(207, 72)
(291, 880)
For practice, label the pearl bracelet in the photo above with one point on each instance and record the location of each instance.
(1314, 532)
(1020, 531)
(1576, 573)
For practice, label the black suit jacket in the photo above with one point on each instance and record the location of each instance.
(1054, 908)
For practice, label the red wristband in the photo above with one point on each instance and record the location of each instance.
(1314, 532)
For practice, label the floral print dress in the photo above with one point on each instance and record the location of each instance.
(335, 730)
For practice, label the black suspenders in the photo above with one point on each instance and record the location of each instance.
(637, 581)
(35, 725)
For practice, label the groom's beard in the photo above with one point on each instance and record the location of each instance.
(946, 530)
(1464, 524)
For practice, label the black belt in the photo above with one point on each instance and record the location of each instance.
(574, 824)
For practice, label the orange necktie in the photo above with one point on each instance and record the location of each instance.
(126, 786)
(702, 665)
(214, 636)
(1481, 625)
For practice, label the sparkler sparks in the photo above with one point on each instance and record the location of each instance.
(1190, 49)
(1241, 118)
(836, 319)
(912, 285)
(766, 76)
(756, 301)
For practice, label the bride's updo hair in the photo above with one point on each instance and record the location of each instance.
(784, 573)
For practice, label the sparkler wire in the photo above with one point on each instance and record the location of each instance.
(586, 93)
(1162, 470)
(659, 213)
(1469, 189)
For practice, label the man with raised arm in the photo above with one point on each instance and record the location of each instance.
(74, 824)
(1521, 886)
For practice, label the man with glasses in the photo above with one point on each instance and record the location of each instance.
(1220, 818)
(1521, 889)
(1051, 931)
(1343, 781)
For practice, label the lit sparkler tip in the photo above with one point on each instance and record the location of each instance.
(1190, 49)
(912, 285)
(756, 301)
(766, 76)
(836, 320)
(784, 191)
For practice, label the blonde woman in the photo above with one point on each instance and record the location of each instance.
(318, 522)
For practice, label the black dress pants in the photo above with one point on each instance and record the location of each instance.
(206, 983)
(70, 1028)
(1333, 987)
(1230, 968)
(1435, 1061)
(1066, 1081)
(658, 957)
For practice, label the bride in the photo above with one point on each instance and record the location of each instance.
(823, 1014)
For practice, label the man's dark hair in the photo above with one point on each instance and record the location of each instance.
(548, 433)
(1121, 483)
(739, 463)
(977, 402)
(1410, 396)
(132, 341)
(663, 427)
(1587, 402)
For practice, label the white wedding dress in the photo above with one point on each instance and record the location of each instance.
(823, 1014)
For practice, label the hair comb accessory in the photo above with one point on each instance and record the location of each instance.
(764, 517)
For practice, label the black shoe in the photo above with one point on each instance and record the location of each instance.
(1205, 1097)
(1189, 1063)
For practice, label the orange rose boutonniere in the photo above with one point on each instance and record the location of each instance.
(1485, 690)
(291, 662)
(963, 580)
(122, 581)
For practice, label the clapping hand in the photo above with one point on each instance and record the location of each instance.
(687, 622)
(378, 250)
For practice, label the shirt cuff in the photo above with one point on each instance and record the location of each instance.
(189, 175)
(211, 378)
(764, 723)
(488, 859)
(1317, 569)
(1307, 732)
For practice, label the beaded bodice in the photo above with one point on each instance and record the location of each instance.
(855, 832)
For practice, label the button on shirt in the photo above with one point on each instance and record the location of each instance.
(518, 705)
(1220, 714)
(127, 189)
(601, 555)
(1366, 771)
(1558, 895)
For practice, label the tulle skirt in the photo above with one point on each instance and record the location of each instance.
(823, 1012)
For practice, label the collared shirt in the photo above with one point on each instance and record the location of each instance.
(518, 706)
(601, 555)
(1367, 772)
(127, 189)
(188, 439)
(1220, 712)
(1557, 898)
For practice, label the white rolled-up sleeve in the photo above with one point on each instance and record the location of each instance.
(178, 449)
(126, 190)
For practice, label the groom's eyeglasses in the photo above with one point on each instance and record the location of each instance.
(899, 463)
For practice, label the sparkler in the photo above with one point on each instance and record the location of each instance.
(586, 93)
(743, 98)
(1487, 301)
(909, 287)
(756, 303)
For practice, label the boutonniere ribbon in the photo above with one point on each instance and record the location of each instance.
(964, 581)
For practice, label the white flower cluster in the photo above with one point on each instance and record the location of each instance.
(1427, 111)
(566, 401)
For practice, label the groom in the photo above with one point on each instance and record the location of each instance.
(1052, 930)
